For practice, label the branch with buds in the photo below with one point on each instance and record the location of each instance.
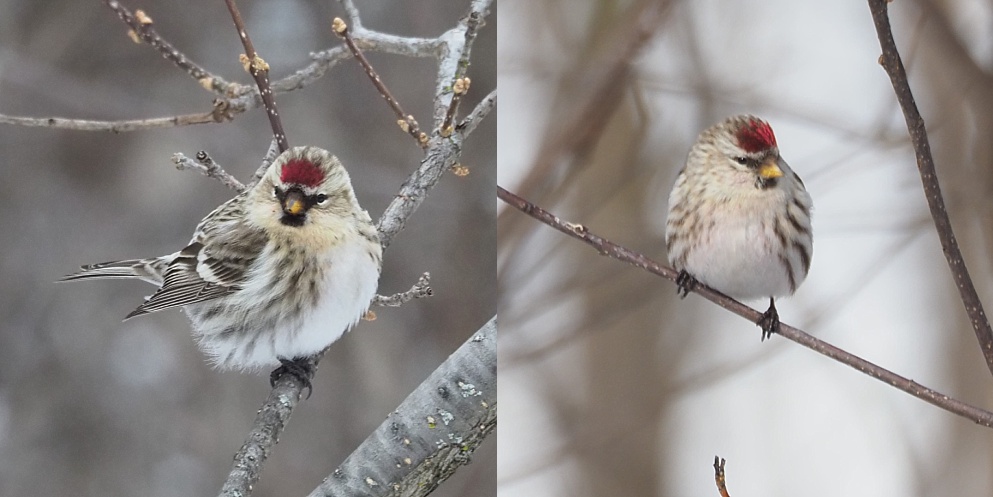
(142, 31)
(236, 99)
(259, 70)
(406, 121)
(610, 249)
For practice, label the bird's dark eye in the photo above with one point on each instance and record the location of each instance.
(741, 160)
(277, 192)
(321, 198)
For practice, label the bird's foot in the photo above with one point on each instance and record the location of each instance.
(685, 283)
(769, 322)
(302, 368)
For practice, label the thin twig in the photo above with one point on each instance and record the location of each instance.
(267, 161)
(719, 476)
(891, 62)
(112, 126)
(141, 26)
(259, 70)
(420, 290)
(481, 110)
(608, 248)
(206, 166)
(460, 83)
(407, 122)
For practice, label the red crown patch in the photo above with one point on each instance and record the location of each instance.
(755, 136)
(301, 172)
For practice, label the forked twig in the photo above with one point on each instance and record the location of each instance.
(610, 249)
(719, 476)
(891, 62)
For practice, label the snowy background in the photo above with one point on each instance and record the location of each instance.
(609, 384)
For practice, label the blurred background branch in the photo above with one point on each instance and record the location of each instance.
(892, 63)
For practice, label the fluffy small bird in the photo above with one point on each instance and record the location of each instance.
(739, 217)
(274, 275)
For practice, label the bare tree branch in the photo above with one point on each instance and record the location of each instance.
(112, 126)
(267, 160)
(259, 70)
(141, 26)
(891, 62)
(442, 154)
(269, 422)
(460, 83)
(420, 290)
(406, 121)
(431, 433)
(608, 248)
(206, 166)
(241, 99)
(482, 109)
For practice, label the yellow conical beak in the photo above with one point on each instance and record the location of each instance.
(770, 169)
(294, 203)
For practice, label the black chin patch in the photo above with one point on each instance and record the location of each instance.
(766, 183)
(291, 220)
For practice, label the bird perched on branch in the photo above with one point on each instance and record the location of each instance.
(739, 217)
(275, 274)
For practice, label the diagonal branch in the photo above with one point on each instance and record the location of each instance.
(432, 432)
(608, 248)
(891, 62)
(141, 26)
(460, 83)
(406, 121)
(482, 109)
(260, 73)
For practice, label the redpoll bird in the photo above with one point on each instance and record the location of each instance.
(739, 217)
(275, 274)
